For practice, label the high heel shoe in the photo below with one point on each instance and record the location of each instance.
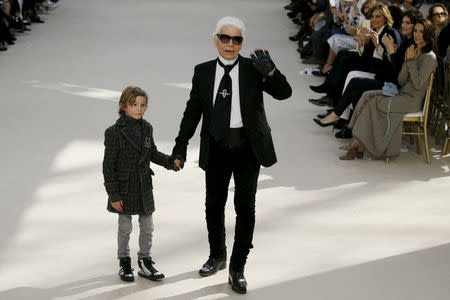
(319, 88)
(17, 23)
(321, 116)
(2, 47)
(36, 19)
(318, 122)
(345, 133)
(9, 41)
(352, 154)
(341, 123)
(320, 73)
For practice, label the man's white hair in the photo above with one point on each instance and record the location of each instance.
(230, 21)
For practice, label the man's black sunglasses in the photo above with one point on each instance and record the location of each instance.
(225, 38)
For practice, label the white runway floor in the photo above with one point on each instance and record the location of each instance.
(326, 229)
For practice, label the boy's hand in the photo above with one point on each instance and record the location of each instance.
(178, 164)
(117, 205)
(175, 167)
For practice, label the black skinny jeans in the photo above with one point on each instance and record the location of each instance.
(355, 88)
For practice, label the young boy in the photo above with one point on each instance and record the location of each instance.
(129, 148)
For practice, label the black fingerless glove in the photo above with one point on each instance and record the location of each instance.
(262, 61)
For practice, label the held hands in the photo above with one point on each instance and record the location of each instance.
(412, 53)
(262, 62)
(178, 164)
(117, 205)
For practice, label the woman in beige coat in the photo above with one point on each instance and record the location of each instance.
(377, 120)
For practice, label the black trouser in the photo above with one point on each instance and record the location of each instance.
(319, 42)
(355, 88)
(223, 162)
(343, 64)
(4, 32)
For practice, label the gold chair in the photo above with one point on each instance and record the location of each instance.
(446, 144)
(446, 147)
(419, 123)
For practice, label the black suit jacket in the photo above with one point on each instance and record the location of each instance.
(385, 69)
(251, 87)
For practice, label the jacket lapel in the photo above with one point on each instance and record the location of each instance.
(121, 122)
(147, 141)
(125, 133)
(210, 80)
(242, 82)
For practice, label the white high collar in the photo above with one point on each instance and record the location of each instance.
(227, 62)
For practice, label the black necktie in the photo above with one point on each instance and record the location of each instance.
(220, 117)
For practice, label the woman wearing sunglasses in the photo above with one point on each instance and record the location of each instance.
(227, 93)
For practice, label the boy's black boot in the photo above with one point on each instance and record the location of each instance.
(147, 270)
(126, 272)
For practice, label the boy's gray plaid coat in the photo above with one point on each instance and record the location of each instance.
(126, 168)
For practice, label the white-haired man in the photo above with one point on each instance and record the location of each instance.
(235, 139)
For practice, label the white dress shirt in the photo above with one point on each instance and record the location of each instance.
(235, 118)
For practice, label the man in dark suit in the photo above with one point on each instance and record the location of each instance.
(235, 139)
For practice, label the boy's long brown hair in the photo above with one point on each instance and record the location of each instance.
(128, 97)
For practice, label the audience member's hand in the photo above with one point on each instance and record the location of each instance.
(363, 37)
(364, 31)
(352, 30)
(356, 10)
(117, 205)
(262, 62)
(388, 42)
(412, 52)
(344, 17)
(374, 38)
(312, 21)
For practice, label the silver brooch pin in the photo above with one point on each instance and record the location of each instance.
(224, 93)
(148, 142)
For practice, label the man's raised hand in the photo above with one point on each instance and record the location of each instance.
(262, 62)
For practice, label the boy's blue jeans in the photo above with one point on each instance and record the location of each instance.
(145, 235)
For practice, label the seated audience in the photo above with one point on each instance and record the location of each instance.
(357, 86)
(377, 120)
